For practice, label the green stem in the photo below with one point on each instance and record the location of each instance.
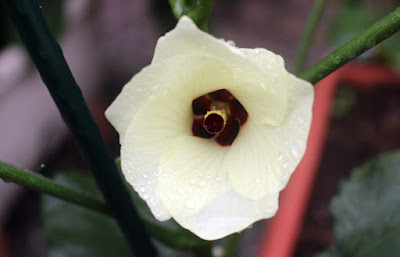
(48, 57)
(175, 239)
(203, 251)
(375, 34)
(41, 184)
(308, 36)
(231, 244)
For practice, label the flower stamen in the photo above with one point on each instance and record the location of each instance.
(218, 115)
(214, 121)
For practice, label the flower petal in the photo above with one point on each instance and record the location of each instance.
(191, 175)
(166, 115)
(263, 157)
(253, 82)
(188, 76)
(151, 132)
(230, 212)
(270, 89)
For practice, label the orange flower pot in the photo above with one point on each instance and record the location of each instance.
(281, 234)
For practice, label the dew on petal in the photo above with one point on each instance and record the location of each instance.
(190, 204)
(294, 149)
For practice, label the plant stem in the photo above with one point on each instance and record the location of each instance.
(44, 185)
(9, 173)
(381, 30)
(308, 36)
(48, 57)
(231, 244)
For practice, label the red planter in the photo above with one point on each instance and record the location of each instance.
(280, 235)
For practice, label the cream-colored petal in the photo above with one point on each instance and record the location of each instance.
(230, 212)
(249, 163)
(253, 82)
(263, 157)
(188, 76)
(191, 174)
(187, 39)
(270, 89)
(160, 120)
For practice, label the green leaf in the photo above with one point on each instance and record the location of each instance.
(366, 213)
(350, 21)
(168, 232)
(76, 231)
(197, 10)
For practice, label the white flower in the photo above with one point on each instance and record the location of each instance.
(217, 183)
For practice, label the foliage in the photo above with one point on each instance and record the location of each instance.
(197, 10)
(76, 231)
(366, 212)
(352, 19)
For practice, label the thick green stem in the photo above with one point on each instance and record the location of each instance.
(375, 34)
(41, 184)
(175, 239)
(308, 36)
(48, 57)
(231, 244)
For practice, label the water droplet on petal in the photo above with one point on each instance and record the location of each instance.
(145, 175)
(190, 204)
(294, 150)
(142, 189)
(202, 183)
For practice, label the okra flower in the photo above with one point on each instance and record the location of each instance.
(210, 133)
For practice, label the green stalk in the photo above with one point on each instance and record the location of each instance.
(176, 239)
(308, 36)
(48, 57)
(231, 244)
(381, 30)
(44, 185)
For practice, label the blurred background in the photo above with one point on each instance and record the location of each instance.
(107, 41)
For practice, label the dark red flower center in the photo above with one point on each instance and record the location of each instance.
(214, 123)
(218, 115)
